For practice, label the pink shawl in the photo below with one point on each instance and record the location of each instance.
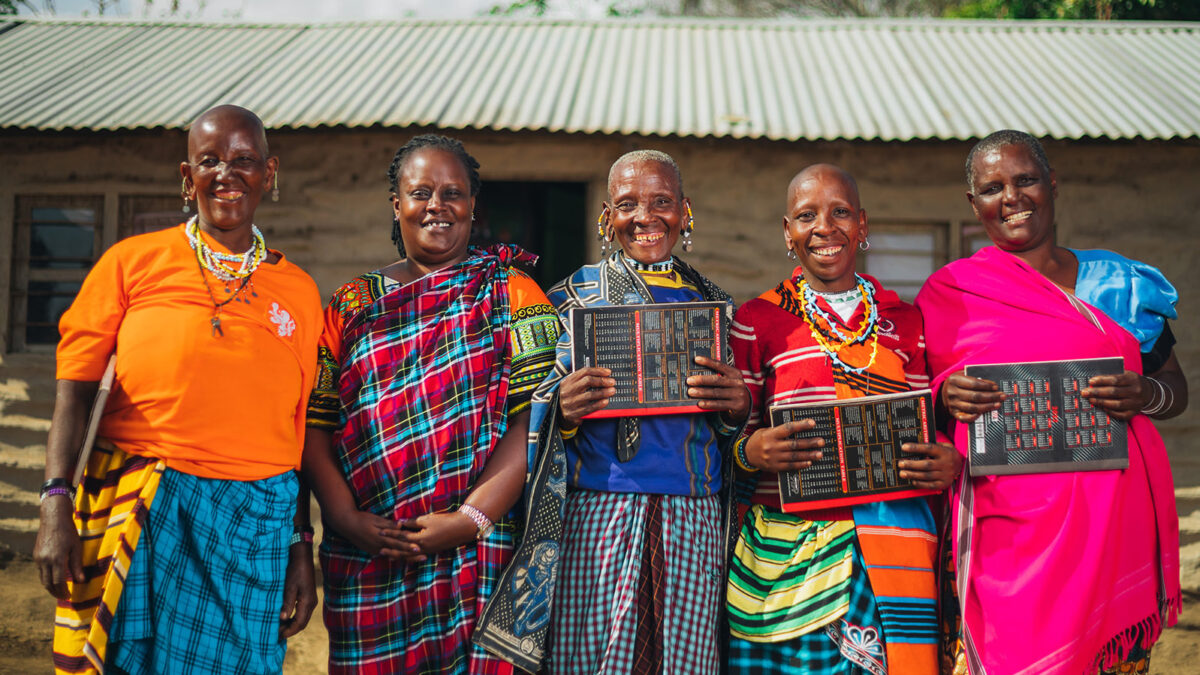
(1052, 568)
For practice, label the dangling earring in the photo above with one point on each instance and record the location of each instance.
(791, 254)
(864, 246)
(687, 230)
(183, 192)
(604, 239)
(275, 190)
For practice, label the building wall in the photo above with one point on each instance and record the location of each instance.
(333, 218)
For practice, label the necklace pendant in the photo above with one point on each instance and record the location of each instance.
(216, 327)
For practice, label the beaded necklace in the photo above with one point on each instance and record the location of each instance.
(829, 336)
(215, 261)
(664, 266)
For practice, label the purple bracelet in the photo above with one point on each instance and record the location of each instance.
(56, 490)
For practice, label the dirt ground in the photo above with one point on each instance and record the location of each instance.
(26, 617)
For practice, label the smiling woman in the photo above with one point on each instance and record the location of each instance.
(641, 513)
(417, 427)
(215, 337)
(842, 590)
(1061, 572)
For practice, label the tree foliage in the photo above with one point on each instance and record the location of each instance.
(1178, 10)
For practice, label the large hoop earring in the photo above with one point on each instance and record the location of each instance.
(864, 246)
(183, 192)
(688, 229)
(604, 238)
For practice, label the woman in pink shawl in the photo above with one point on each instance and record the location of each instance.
(1074, 573)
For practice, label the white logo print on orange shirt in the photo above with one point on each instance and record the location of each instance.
(284, 325)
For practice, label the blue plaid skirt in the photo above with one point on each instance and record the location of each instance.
(205, 588)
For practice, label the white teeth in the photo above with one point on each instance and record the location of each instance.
(1018, 216)
(828, 250)
(438, 225)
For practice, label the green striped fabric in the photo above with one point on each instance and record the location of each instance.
(789, 576)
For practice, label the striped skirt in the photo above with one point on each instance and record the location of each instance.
(641, 585)
(799, 599)
(110, 512)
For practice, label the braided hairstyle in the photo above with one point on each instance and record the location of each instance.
(438, 142)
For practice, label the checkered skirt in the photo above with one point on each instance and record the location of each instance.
(204, 592)
(595, 613)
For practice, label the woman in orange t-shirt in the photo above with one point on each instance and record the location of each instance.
(185, 550)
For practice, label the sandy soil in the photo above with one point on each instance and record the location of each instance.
(25, 631)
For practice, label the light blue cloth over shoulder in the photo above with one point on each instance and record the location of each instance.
(1135, 295)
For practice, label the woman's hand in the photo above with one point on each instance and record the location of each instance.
(433, 533)
(937, 471)
(724, 392)
(1121, 396)
(299, 591)
(583, 392)
(969, 397)
(58, 551)
(773, 448)
(371, 533)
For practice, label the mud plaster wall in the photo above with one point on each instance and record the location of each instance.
(1139, 198)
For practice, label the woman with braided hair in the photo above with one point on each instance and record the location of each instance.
(417, 427)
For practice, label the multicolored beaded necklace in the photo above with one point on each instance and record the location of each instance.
(214, 262)
(829, 336)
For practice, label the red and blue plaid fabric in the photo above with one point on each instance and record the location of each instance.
(423, 386)
(596, 613)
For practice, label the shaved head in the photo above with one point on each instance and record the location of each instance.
(823, 172)
(223, 118)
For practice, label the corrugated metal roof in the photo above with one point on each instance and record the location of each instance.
(782, 80)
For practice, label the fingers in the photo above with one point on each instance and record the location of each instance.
(585, 391)
(720, 367)
(75, 564)
(289, 605)
(937, 471)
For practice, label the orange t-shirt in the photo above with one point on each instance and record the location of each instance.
(230, 406)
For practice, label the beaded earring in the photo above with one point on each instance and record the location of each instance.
(183, 192)
(275, 190)
(687, 230)
(604, 239)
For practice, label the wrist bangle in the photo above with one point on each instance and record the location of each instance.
(567, 434)
(739, 454)
(483, 524)
(56, 490)
(301, 536)
(1159, 396)
(56, 486)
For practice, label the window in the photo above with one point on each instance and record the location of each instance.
(902, 256)
(140, 214)
(55, 242)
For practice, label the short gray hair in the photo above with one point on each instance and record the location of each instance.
(646, 156)
(1000, 139)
